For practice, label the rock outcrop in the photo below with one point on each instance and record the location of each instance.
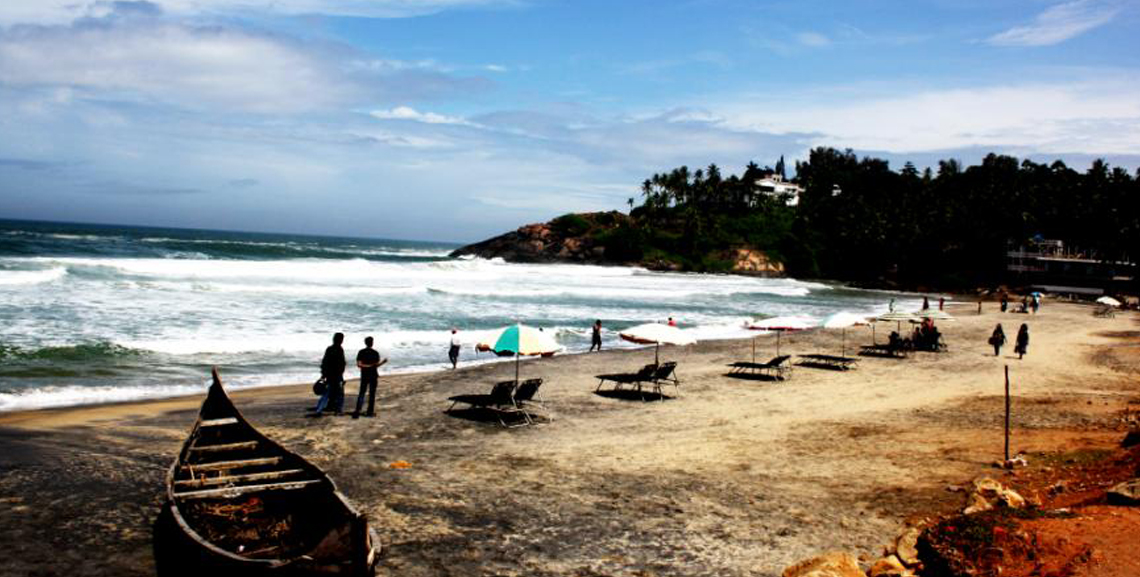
(554, 241)
(832, 564)
(587, 239)
(752, 261)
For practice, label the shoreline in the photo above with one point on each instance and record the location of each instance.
(729, 476)
(440, 367)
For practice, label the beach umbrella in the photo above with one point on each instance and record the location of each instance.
(842, 320)
(935, 315)
(657, 334)
(782, 324)
(520, 339)
(1107, 300)
(895, 316)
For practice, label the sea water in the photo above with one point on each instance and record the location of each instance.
(93, 313)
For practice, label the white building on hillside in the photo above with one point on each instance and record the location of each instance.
(774, 185)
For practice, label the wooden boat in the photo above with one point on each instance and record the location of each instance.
(240, 504)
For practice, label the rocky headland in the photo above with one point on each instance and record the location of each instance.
(598, 238)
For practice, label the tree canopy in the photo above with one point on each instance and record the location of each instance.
(859, 220)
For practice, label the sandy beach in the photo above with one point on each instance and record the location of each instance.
(726, 477)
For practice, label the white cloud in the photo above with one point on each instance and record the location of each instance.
(1080, 116)
(65, 11)
(199, 68)
(409, 113)
(813, 39)
(134, 54)
(1057, 24)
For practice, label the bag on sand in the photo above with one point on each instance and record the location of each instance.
(320, 386)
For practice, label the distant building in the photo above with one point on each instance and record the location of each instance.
(775, 186)
(1051, 266)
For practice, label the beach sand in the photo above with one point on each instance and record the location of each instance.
(727, 477)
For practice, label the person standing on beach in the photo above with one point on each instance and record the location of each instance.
(332, 370)
(596, 336)
(1022, 345)
(672, 322)
(453, 352)
(1004, 302)
(941, 303)
(368, 360)
(997, 339)
(925, 304)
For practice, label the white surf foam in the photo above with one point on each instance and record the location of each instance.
(29, 277)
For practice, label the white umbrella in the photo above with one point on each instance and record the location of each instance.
(657, 334)
(842, 320)
(1107, 300)
(936, 315)
(523, 340)
(781, 324)
(895, 316)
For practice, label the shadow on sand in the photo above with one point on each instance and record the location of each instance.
(753, 377)
(485, 415)
(631, 395)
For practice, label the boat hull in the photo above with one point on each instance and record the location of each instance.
(238, 503)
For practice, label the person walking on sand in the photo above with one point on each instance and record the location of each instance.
(997, 339)
(596, 336)
(453, 351)
(332, 370)
(941, 303)
(925, 304)
(1004, 302)
(1022, 345)
(369, 361)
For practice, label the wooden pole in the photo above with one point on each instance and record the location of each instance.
(1007, 413)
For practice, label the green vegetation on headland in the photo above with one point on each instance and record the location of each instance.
(856, 220)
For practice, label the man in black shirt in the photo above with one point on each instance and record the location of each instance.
(369, 360)
(332, 370)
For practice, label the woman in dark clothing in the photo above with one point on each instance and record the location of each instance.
(1022, 345)
(997, 339)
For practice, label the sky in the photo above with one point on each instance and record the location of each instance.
(456, 120)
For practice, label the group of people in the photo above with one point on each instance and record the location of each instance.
(1029, 304)
(333, 364)
(926, 336)
(1021, 344)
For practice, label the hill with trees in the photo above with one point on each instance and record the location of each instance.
(856, 220)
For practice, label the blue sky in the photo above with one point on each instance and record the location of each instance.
(459, 119)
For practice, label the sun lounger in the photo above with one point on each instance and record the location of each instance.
(501, 394)
(650, 376)
(777, 367)
(618, 379)
(665, 374)
(884, 350)
(828, 362)
(1106, 311)
(525, 398)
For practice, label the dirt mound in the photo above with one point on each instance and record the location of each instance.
(1069, 529)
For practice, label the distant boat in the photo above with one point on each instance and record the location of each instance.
(240, 504)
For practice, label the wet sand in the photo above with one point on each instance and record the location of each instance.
(728, 476)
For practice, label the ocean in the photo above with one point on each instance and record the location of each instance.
(94, 313)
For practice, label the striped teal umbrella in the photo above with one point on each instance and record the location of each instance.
(523, 340)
